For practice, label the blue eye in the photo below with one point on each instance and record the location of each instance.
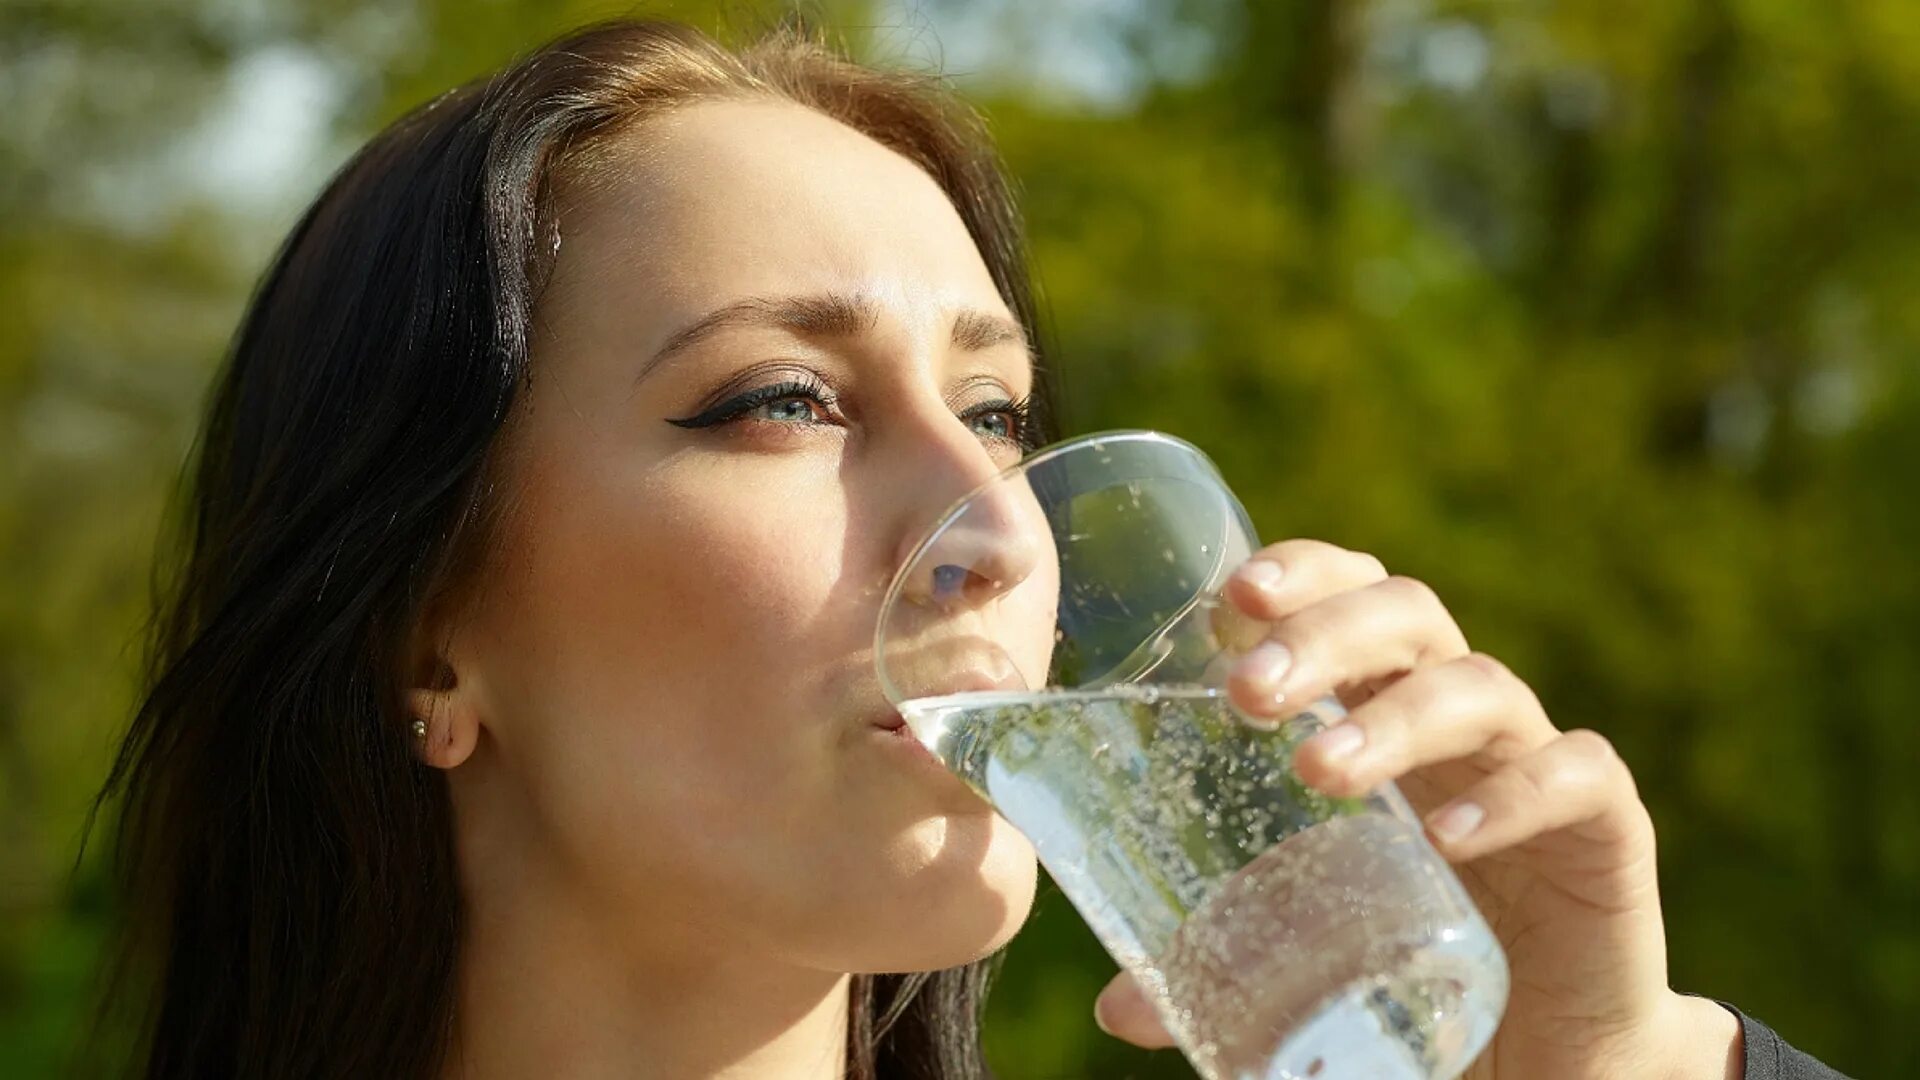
(1006, 422)
(807, 401)
(787, 408)
(780, 403)
(994, 425)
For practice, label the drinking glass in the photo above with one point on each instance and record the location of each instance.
(1059, 641)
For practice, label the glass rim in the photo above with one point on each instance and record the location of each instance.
(958, 507)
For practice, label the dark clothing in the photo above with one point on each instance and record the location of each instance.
(1770, 1058)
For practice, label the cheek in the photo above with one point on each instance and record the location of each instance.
(651, 654)
(634, 598)
(738, 579)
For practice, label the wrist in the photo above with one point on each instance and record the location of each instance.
(1701, 1038)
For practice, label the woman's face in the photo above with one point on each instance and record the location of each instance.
(669, 675)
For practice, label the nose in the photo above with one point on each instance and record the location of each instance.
(994, 543)
(983, 555)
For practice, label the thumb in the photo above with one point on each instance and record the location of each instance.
(1122, 1011)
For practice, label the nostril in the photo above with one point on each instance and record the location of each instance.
(947, 580)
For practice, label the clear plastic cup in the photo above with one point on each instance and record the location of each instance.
(1059, 641)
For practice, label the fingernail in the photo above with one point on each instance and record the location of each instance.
(1100, 1015)
(1455, 820)
(1262, 574)
(1265, 666)
(1339, 742)
(1104, 1006)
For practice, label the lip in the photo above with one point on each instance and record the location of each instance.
(973, 681)
(890, 729)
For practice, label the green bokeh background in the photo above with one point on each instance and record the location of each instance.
(1598, 315)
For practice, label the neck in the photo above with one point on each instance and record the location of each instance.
(542, 995)
(552, 983)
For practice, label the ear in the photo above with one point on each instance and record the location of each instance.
(443, 699)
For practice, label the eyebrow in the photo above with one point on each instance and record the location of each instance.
(828, 315)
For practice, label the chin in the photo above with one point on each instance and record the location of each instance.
(1010, 873)
(963, 895)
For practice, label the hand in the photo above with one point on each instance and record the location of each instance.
(1546, 827)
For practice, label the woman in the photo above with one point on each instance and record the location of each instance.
(513, 714)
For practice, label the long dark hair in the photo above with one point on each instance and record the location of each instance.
(290, 900)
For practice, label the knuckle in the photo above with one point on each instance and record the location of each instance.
(1608, 766)
(1574, 766)
(1412, 589)
(1488, 669)
(1592, 746)
(1369, 566)
(1499, 680)
(1572, 777)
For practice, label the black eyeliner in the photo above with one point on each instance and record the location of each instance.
(740, 404)
(1021, 410)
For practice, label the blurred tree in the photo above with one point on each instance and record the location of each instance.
(1596, 318)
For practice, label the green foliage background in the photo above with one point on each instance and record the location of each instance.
(1598, 315)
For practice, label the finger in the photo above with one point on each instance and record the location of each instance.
(1282, 578)
(1468, 705)
(1123, 1012)
(1360, 638)
(1236, 631)
(1575, 783)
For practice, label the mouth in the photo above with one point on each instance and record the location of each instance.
(974, 681)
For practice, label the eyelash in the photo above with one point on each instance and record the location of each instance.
(813, 390)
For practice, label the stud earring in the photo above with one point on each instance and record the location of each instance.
(419, 729)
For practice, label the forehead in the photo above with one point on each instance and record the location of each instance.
(713, 201)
